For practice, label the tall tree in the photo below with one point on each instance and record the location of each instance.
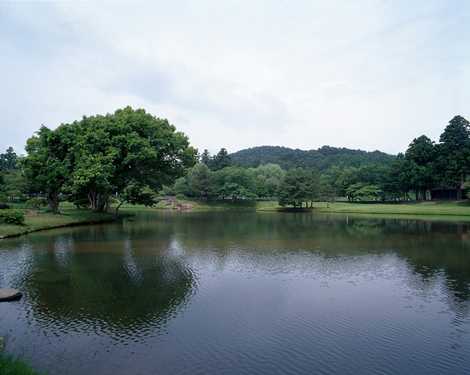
(267, 179)
(199, 181)
(454, 153)
(127, 149)
(206, 157)
(421, 155)
(234, 183)
(398, 178)
(124, 155)
(221, 160)
(49, 162)
(8, 160)
(294, 189)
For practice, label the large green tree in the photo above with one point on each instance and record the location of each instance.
(199, 181)
(221, 160)
(126, 156)
(267, 180)
(49, 162)
(119, 152)
(454, 154)
(12, 182)
(421, 156)
(234, 183)
(299, 187)
(205, 157)
(8, 160)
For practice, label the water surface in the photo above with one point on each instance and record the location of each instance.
(241, 293)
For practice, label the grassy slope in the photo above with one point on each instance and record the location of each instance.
(70, 216)
(435, 209)
(10, 366)
(35, 221)
(459, 210)
(423, 208)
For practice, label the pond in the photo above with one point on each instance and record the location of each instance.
(241, 293)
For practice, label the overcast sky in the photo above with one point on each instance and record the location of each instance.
(236, 74)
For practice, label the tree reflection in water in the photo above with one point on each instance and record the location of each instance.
(74, 287)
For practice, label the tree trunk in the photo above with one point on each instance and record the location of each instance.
(53, 202)
(118, 207)
(98, 201)
(460, 188)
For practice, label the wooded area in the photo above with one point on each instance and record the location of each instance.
(133, 157)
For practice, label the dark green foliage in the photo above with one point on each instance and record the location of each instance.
(267, 179)
(453, 154)
(36, 203)
(13, 187)
(49, 163)
(420, 157)
(8, 160)
(299, 186)
(233, 183)
(12, 182)
(12, 366)
(321, 159)
(129, 155)
(199, 182)
(15, 217)
(220, 160)
(126, 156)
(205, 157)
(364, 192)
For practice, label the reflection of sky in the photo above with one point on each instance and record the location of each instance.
(381, 306)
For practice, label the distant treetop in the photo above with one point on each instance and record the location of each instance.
(321, 159)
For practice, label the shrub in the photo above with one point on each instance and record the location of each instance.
(4, 206)
(13, 366)
(15, 217)
(36, 203)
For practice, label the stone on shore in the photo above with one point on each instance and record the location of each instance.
(8, 294)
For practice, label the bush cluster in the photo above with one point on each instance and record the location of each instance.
(15, 217)
(36, 203)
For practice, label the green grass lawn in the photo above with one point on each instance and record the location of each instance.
(435, 209)
(422, 208)
(71, 216)
(40, 220)
(11, 366)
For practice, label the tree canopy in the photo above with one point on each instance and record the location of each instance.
(123, 155)
(130, 155)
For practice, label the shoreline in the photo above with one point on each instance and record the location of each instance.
(74, 224)
(435, 211)
(41, 221)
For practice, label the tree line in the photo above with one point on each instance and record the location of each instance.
(426, 170)
(101, 160)
(320, 159)
(132, 156)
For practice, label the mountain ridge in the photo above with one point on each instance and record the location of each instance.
(321, 158)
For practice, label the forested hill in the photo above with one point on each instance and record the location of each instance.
(322, 159)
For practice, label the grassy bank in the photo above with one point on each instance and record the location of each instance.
(461, 209)
(40, 220)
(10, 366)
(36, 221)
(454, 209)
(431, 209)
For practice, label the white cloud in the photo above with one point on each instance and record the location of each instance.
(369, 74)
